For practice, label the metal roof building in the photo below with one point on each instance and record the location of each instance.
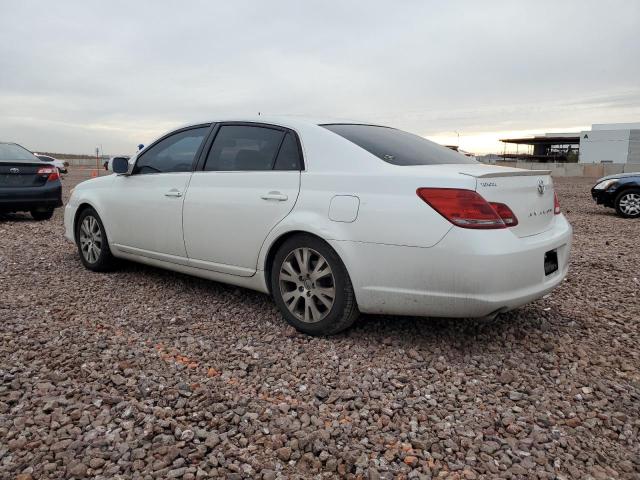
(550, 147)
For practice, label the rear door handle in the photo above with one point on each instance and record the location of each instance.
(173, 193)
(280, 197)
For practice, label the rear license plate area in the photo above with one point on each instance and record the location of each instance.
(550, 262)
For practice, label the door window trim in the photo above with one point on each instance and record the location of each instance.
(169, 134)
(204, 152)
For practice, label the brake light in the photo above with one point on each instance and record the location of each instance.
(464, 208)
(556, 204)
(506, 214)
(50, 172)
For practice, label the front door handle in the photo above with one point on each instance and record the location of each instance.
(173, 193)
(280, 197)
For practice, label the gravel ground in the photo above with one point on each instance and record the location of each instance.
(144, 373)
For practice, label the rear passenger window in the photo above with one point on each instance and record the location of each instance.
(243, 147)
(288, 156)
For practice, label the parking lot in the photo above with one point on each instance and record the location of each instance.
(144, 373)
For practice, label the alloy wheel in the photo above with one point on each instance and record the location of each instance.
(630, 204)
(90, 239)
(307, 285)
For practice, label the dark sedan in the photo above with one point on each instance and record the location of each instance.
(27, 184)
(621, 192)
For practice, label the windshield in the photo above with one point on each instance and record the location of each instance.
(16, 153)
(396, 146)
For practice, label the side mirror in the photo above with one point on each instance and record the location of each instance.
(120, 166)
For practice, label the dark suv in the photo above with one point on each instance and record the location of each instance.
(27, 183)
(621, 192)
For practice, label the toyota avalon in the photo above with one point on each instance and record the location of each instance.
(330, 218)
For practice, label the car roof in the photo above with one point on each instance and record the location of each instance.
(290, 121)
(323, 149)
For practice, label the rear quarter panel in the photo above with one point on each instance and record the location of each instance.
(390, 212)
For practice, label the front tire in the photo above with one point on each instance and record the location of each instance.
(92, 243)
(627, 203)
(312, 288)
(42, 214)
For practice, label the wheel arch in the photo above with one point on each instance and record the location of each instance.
(81, 208)
(279, 241)
(273, 249)
(630, 187)
(627, 186)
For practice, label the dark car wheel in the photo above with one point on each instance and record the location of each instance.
(91, 239)
(627, 203)
(42, 214)
(311, 287)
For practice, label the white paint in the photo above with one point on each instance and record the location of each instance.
(611, 143)
(344, 208)
(616, 126)
(226, 218)
(604, 146)
(402, 256)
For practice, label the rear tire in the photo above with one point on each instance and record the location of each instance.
(627, 203)
(42, 214)
(92, 242)
(312, 288)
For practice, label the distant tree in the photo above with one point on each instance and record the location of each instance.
(573, 157)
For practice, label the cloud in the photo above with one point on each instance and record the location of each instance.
(120, 73)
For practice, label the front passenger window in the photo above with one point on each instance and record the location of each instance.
(173, 154)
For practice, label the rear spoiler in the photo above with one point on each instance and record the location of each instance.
(513, 173)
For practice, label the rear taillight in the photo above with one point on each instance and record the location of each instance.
(556, 204)
(466, 208)
(506, 214)
(50, 172)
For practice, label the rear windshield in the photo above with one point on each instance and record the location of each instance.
(16, 153)
(396, 146)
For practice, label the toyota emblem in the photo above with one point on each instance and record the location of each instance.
(14, 170)
(541, 186)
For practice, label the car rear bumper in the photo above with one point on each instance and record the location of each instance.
(469, 273)
(16, 199)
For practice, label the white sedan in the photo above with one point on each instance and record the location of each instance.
(61, 165)
(330, 218)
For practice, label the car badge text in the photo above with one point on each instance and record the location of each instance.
(540, 213)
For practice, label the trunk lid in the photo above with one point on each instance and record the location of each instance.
(21, 174)
(528, 193)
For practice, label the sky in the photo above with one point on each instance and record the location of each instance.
(75, 75)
